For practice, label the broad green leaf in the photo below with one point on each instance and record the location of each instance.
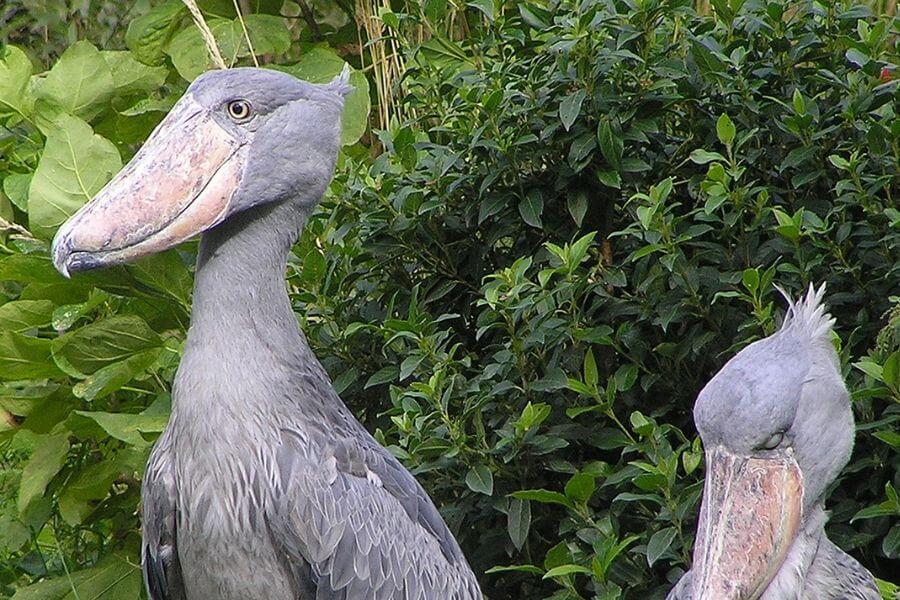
(110, 378)
(320, 65)
(128, 427)
(518, 521)
(531, 207)
(659, 543)
(165, 273)
(15, 72)
(480, 479)
(580, 487)
(23, 315)
(15, 186)
(611, 145)
(25, 357)
(268, 33)
(94, 346)
(701, 157)
(149, 34)
(42, 466)
(81, 82)
(543, 496)
(189, 54)
(115, 578)
(131, 76)
(570, 108)
(78, 498)
(75, 164)
(29, 268)
(562, 570)
(725, 130)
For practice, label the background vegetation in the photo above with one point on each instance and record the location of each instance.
(557, 221)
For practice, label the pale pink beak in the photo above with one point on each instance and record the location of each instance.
(750, 516)
(179, 184)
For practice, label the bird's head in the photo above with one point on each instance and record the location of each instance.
(777, 427)
(238, 138)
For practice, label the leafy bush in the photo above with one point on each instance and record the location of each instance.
(520, 285)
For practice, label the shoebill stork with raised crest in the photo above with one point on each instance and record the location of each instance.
(777, 427)
(263, 485)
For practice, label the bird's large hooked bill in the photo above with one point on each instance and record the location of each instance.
(179, 184)
(750, 516)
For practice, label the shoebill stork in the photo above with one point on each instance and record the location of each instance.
(777, 427)
(263, 485)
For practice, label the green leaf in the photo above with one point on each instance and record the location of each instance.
(480, 479)
(114, 578)
(563, 570)
(591, 377)
(570, 108)
(132, 77)
(128, 427)
(15, 186)
(96, 345)
(15, 72)
(611, 145)
(75, 164)
(149, 34)
(516, 569)
(383, 375)
(725, 130)
(165, 273)
(112, 377)
(581, 487)
(25, 314)
(321, 65)
(42, 467)
(81, 82)
(610, 179)
(24, 357)
(543, 496)
(659, 543)
(577, 204)
(890, 370)
(701, 157)
(518, 521)
(531, 207)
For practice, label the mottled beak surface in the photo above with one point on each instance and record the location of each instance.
(750, 516)
(179, 184)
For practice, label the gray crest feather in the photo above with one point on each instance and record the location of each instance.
(808, 315)
(340, 85)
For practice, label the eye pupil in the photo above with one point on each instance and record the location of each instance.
(239, 109)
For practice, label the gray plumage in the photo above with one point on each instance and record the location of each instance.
(788, 389)
(263, 485)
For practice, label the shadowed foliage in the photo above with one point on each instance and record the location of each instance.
(563, 220)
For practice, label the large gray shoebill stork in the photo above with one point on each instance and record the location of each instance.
(777, 427)
(263, 485)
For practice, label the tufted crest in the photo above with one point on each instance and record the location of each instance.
(808, 316)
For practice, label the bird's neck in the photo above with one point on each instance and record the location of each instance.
(244, 340)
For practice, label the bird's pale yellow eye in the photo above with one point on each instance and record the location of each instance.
(774, 441)
(239, 110)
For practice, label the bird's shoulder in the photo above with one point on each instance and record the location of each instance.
(356, 520)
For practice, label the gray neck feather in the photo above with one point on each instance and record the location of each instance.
(244, 342)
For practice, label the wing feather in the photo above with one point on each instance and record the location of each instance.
(358, 525)
(159, 553)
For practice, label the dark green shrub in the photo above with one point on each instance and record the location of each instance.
(581, 219)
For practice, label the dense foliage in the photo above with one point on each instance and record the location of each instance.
(575, 214)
